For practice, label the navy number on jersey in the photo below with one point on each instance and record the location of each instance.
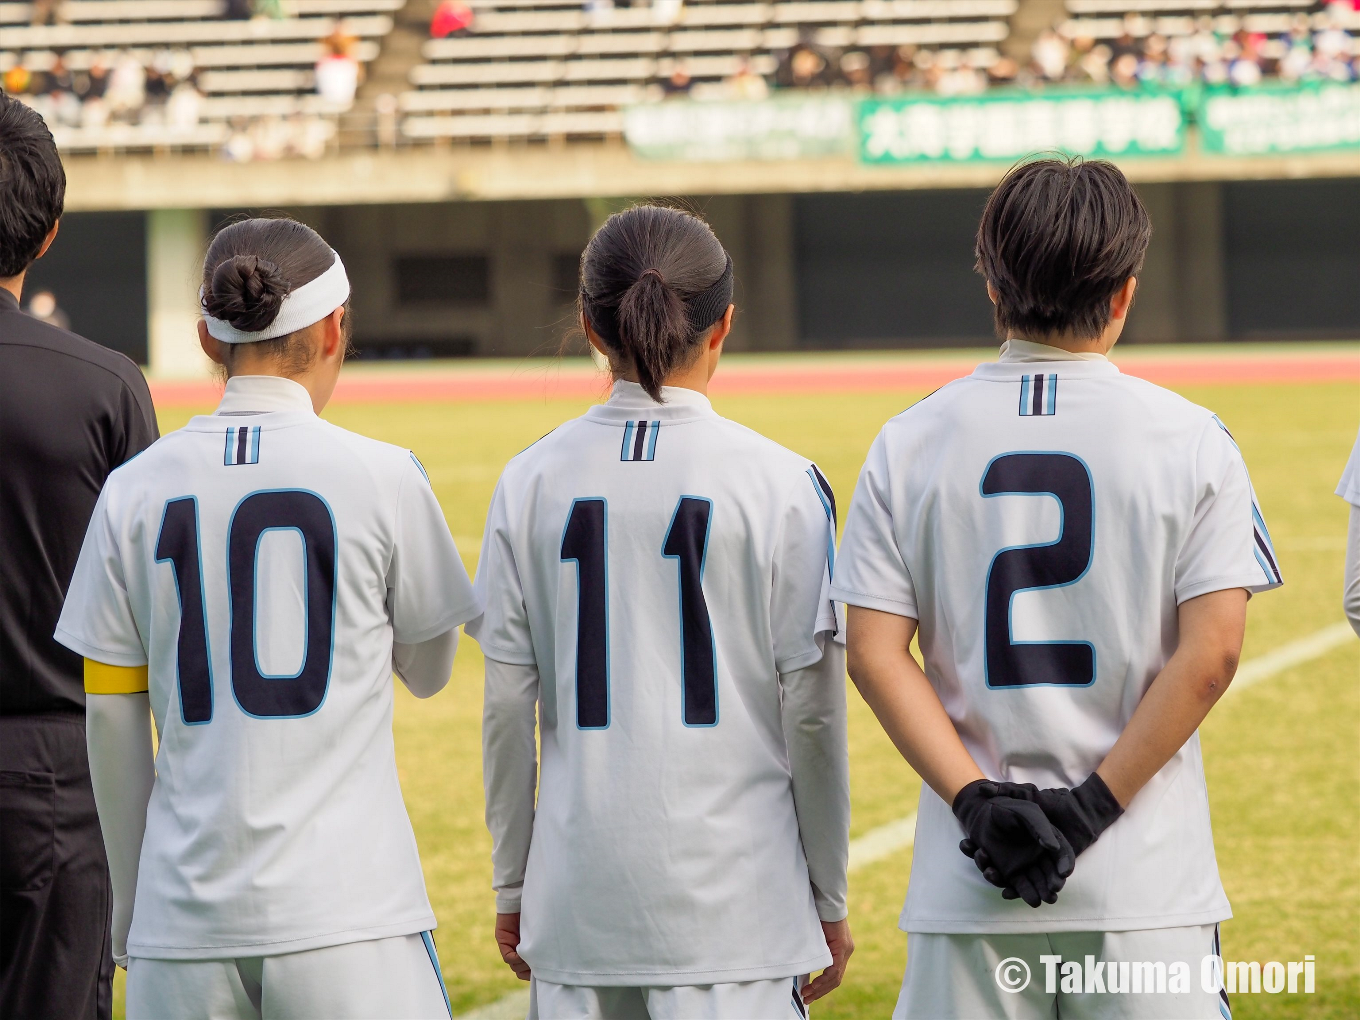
(687, 544)
(259, 695)
(306, 513)
(1031, 567)
(177, 543)
(585, 541)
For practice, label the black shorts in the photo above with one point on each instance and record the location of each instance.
(55, 902)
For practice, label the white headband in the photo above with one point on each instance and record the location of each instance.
(301, 307)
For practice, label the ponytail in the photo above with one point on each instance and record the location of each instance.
(653, 283)
(653, 330)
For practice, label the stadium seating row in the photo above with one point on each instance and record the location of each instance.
(563, 65)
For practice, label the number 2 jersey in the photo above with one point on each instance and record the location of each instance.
(1043, 521)
(660, 566)
(261, 565)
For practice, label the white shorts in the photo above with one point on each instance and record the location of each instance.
(961, 976)
(777, 999)
(396, 978)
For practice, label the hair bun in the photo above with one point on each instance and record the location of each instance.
(247, 292)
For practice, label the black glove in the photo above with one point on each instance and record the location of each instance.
(1021, 845)
(1083, 812)
(1080, 814)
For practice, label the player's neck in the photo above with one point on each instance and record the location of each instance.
(14, 284)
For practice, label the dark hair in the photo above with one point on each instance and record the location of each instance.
(1058, 238)
(251, 266)
(32, 185)
(646, 276)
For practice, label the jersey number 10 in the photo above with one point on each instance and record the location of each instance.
(258, 694)
(585, 540)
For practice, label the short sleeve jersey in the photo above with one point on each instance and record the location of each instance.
(1349, 486)
(262, 566)
(661, 566)
(1043, 521)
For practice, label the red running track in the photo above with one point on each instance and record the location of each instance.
(815, 376)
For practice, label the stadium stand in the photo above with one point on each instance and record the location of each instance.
(547, 68)
(1175, 42)
(164, 74)
(269, 78)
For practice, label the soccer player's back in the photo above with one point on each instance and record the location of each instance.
(254, 579)
(656, 582)
(1077, 547)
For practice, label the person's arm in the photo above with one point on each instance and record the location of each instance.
(1194, 678)
(425, 668)
(1351, 596)
(122, 771)
(814, 718)
(510, 775)
(905, 703)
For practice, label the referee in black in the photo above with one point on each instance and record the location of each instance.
(70, 412)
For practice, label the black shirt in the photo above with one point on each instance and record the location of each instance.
(70, 412)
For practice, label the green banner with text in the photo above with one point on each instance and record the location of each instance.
(1308, 118)
(1008, 126)
(787, 127)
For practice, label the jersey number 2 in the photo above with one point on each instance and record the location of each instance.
(1013, 663)
(259, 695)
(585, 540)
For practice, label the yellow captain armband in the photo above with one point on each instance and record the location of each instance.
(101, 678)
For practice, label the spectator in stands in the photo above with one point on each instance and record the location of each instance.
(855, 72)
(18, 77)
(44, 12)
(679, 83)
(237, 10)
(1049, 56)
(745, 84)
(451, 17)
(338, 72)
(805, 65)
(126, 92)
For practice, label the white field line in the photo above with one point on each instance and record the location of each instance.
(1296, 653)
(878, 844)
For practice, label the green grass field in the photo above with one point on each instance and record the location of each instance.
(1283, 758)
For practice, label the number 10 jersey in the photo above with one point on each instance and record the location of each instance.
(1043, 521)
(261, 565)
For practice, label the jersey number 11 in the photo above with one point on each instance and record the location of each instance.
(585, 540)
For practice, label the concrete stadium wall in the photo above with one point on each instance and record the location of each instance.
(1236, 260)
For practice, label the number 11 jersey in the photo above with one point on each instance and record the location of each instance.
(261, 565)
(1042, 521)
(661, 566)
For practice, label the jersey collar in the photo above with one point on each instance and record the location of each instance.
(629, 402)
(1005, 371)
(261, 394)
(1017, 350)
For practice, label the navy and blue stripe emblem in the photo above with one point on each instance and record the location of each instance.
(243, 445)
(1039, 394)
(1262, 547)
(639, 440)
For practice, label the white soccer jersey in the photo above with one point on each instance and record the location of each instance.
(1043, 522)
(261, 565)
(1349, 486)
(661, 566)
